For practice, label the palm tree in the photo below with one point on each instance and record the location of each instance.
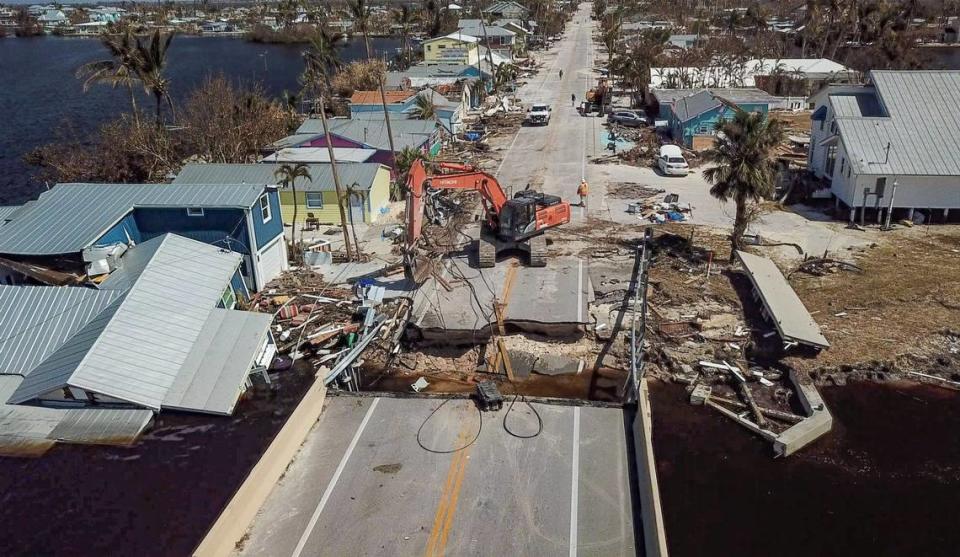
(151, 59)
(404, 17)
(120, 70)
(504, 74)
(744, 167)
(322, 59)
(361, 15)
(287, 175)
(636, 64)
(423, 107)
(361, 19)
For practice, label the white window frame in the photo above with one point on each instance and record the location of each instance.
(306, 199)
(266, 214)
(194, 211)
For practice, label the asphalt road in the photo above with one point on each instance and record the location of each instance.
(363, 485)
(553, 158)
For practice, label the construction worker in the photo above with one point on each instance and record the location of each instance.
(573, 99)
(582, 191)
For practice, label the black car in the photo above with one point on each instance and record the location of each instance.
(627, 118)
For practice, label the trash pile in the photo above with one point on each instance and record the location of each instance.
(659, 212)
(331, 327)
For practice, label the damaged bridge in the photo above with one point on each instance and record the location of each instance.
(458, 305)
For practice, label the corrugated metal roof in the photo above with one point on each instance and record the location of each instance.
(856, 105)
(320, 155)
(322, 175)
(372, 130)
(135, 350)
(101, 426)
(211, 378)
(70, 217)
(36, 321)
(140, 352)
(922, 129)
(6, 211)
(32, 430)
(292, 140)
(689, 103)
(789, 315)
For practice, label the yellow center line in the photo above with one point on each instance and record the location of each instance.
(446, 508)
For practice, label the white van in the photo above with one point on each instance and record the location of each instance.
(671, 161)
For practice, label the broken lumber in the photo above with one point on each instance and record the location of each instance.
(769, 412)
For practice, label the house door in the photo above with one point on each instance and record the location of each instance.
(357, 201)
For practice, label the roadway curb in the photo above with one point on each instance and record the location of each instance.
(654, 532)
(231, 526)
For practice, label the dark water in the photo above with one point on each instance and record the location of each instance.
(156, 498)
(885, 481)
(39, 93)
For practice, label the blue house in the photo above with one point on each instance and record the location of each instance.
(67, 234)
(691, 114)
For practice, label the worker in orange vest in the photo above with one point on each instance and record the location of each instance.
(582, 191)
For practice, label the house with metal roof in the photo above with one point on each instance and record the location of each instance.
(497, 38)
(692, 114)
(71, 233)
(890, 149)
(366, 184)
(455, 48)
(507, 9)
(369, 131)
(158, 332)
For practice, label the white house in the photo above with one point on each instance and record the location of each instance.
(894, 142)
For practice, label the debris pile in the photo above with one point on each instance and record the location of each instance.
(331, 327)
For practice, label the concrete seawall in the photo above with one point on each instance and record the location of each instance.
(818, 422)
(231, 526)
(654, 532)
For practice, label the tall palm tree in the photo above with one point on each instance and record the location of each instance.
(404, 17)
(287, 175)
(361, 21)
(118, 71)
(635, 65)
(744, 169)
(151, 60)
(322, 59)
(361, 15)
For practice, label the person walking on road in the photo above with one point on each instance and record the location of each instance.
(561, 74)
(573, 99)
(583, 190)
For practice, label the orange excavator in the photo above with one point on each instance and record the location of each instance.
(517, 223)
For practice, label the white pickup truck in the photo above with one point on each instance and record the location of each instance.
(538, 114)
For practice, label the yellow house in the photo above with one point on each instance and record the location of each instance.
(367, 185)
(455, 48)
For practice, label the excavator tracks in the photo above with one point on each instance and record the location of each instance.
(538, 251)
(486, 253)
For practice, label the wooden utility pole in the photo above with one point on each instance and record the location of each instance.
(336, 181)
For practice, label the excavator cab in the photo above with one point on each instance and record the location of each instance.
(518, 219)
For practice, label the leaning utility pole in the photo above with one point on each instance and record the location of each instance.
(336, 180)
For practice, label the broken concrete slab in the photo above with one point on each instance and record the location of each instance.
(552, 300)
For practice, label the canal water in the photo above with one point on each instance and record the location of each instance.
(40, 95)
(885, 481)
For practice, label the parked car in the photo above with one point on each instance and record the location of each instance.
(671, 161)
(627, 118)
(538, 114)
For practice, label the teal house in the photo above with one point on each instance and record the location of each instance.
(691, 114)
